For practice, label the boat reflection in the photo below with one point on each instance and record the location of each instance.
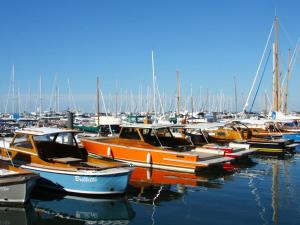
(53, 208)
(147, 184)
(20, 215)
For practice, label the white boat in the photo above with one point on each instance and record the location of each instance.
(15, 184)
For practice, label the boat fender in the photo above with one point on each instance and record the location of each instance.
(109, 152)
(149, 159)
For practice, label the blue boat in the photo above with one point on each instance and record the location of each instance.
(293, 136)
(63, 165)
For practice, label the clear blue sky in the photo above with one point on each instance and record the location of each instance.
(209, 41)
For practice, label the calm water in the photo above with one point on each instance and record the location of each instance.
(264, 191)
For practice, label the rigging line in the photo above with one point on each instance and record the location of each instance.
(256, 75)
(285, 32)
(292, 61)
(260, 80)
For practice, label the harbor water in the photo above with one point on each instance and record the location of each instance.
(261, 191)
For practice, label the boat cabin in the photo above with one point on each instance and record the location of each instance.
(155, 135)
(47, 144)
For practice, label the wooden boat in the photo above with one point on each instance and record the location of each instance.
(234, 150)
(238, 133)
(16, 184)
(275, 129)
(62, 165)
(152, 145)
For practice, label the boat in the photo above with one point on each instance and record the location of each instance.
(240, 133)
(152, 145)
(16, 184)
(198, 138)
(63, 166)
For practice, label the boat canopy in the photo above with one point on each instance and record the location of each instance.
(151, 126)
(44, 131)
(203, 126)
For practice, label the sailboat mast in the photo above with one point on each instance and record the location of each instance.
(98, 105)
(287, 82)
(154, 89)
(275, 97)
(40, 96)
(117, 98)
(13, 89)
(235, 93)
(178, 92)
(192, 104)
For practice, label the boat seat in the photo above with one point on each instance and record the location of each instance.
(66, 160)
(49, 151)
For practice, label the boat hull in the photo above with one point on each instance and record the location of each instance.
(155, 158)
(293, 136)
(112, 181)
(17, 188)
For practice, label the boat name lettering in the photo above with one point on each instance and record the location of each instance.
(85, 179)
(80, 214)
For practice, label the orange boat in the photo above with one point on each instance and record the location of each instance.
(153, 145)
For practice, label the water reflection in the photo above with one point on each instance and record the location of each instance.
(270, 186)
(147, 184)
(20, 215)
(54, 208)
(262, 190)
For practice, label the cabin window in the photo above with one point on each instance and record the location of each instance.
(221, 133)
(65, 138)
(42, 138)
(129, 133)
(23, 141)
(165, 132)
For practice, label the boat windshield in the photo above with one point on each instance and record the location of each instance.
(129, 133)
(23, 141)
(162, 137)
(60, 138)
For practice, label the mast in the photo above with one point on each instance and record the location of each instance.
(154, 90)
(40, 111)
(275, 76)
(266, 102)
(178, 92)
(116, 98)
(192, 107)
(235, 93)
(19, 102)
(13, 89)
(98, 105)
(287, 82)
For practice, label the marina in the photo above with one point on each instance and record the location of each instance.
(268, 189)
(149, 112)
